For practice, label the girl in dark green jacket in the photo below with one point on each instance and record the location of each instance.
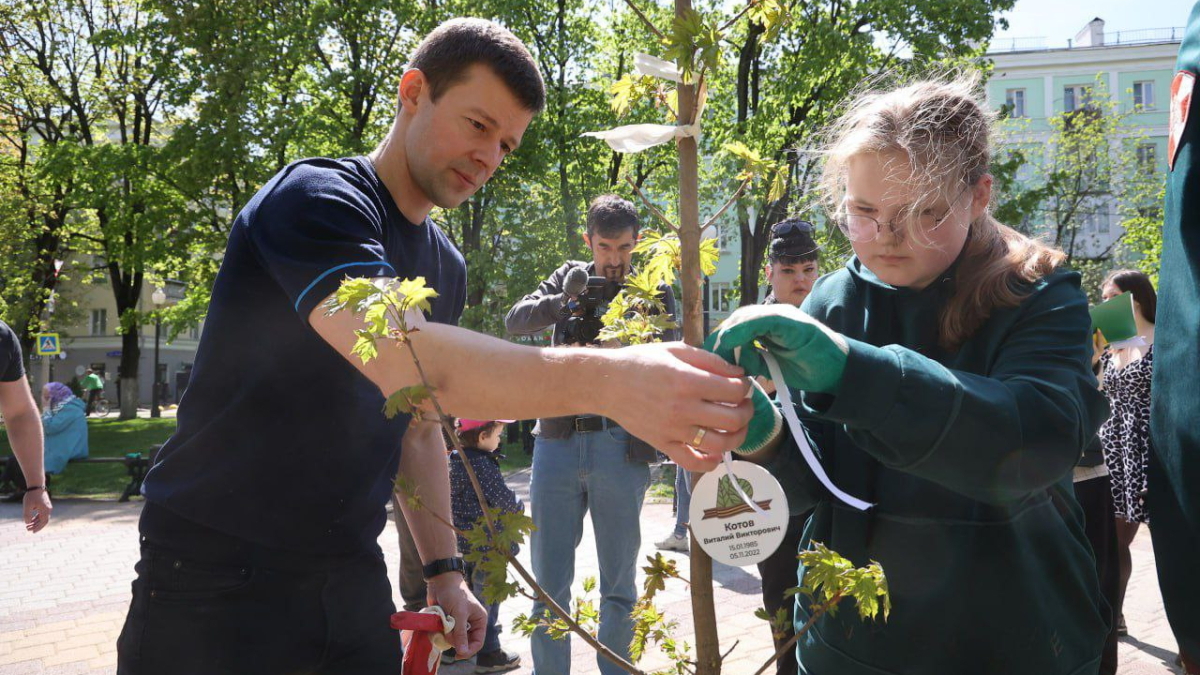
(944, 377)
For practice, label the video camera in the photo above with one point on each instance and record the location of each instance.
(591, 298)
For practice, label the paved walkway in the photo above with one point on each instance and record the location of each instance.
(64, 593)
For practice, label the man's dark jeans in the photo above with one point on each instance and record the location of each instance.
(246, 613)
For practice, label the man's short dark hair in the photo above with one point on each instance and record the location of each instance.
(610, 215)
(445, 55)
(792, 243)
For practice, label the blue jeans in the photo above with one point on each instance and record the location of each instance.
(683, 500)
(491, 638)
(586, 471)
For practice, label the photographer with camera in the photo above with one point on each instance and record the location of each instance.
(587, 462)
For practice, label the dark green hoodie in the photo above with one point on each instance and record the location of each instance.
(968, 456)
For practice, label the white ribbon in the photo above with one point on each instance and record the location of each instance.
(789, 414)
(653, 66)
(637, 137)
(737, 487)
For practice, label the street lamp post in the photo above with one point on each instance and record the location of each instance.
(158, 297)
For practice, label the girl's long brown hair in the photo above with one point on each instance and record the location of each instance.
(942, 127)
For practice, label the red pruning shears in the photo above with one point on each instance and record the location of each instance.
(423, 636)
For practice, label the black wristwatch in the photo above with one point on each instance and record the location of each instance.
(444, 565)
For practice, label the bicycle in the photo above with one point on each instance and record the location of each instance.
(101, 407)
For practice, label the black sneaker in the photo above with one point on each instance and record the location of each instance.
(498, 661)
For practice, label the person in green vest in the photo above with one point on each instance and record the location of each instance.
(93, 387)
(944, 377)
(1173, 474)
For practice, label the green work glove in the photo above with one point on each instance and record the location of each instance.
(811, 356)
(764, 426)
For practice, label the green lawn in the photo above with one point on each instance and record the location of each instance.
(106, 438)
(514, 458)
(116, 438)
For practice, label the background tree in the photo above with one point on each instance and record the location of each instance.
(1095, 172)
(788, 80)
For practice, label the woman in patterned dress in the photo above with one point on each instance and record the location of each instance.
(1125, 378)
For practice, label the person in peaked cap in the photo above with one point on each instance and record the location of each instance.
(1174, 470)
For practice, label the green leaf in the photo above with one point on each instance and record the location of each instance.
(377, 320)
(406, 400)
(778, 186)
(414, 293)
(353, 293)
(743, 152)
(772, 14)
(628, 90)
(709, 255)
(364, 347)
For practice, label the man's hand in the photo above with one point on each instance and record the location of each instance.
(811, 356)
(37, 509)
(450, 592)
(684, 401)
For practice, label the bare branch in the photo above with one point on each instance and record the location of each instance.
(837, 597)
(729, 24)
(650, 205)
(732, 200)
(645, 20)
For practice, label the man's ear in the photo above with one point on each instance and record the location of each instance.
(412, 85)
(587, 240)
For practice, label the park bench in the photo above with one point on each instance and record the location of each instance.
(136, 464)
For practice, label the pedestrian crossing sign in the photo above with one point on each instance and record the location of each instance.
(47, 344)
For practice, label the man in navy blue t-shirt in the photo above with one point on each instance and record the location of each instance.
(259, 550)
(24, 426)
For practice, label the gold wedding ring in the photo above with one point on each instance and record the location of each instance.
(699, 437)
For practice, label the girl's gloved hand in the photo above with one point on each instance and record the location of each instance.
(811, 356)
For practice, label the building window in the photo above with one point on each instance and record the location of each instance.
(1096, 222)
(1076, 97)
(1143, 95)
(727, 235)
(721, 296)
(194, 332)
(1014, 100)
(99, 322)
(1147, 154)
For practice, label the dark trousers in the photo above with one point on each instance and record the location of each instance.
(13, 475)
(412, 574)
(93, 395)
(1095, 497)
(779, 573)
(237, 609)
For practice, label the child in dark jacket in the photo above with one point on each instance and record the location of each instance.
(480, 439)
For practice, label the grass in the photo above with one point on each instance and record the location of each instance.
(514, 458)
(108, 437)
(115, 438)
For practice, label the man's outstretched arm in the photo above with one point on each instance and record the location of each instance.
(662, 393)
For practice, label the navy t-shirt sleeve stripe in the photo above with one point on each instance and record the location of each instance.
(309, 228)
(381, 270)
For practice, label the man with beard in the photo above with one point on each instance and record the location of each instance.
(587, 462)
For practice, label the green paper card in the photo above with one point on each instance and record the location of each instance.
(1114, 318)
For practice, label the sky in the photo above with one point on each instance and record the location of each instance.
(1059, 20)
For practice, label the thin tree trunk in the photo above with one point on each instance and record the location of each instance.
(708, 649)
